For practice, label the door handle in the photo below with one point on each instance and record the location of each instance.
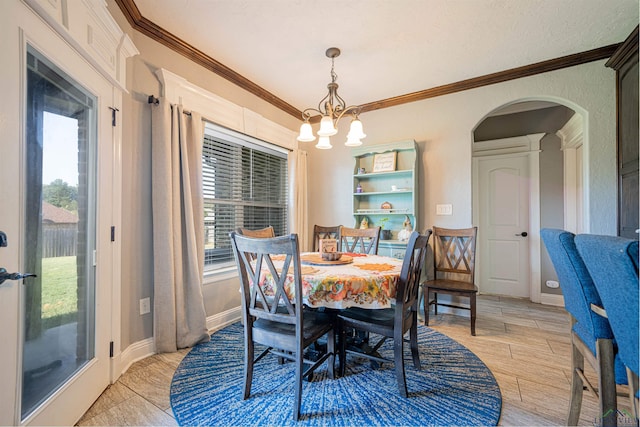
(523, 234)
(13, 276)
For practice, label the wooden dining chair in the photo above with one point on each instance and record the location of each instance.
(325, 232)
(360, 240)
(391, 322)
(454, 252)
(262, 232)
(285, 327)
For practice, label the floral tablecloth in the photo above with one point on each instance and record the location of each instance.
(369, 282)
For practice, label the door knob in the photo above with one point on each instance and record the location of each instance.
(523, 234)
(12, 276)
(3, 239)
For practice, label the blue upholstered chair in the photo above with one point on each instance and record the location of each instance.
(613, 265)
(591, 335)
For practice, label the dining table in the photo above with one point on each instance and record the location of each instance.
(355, 280)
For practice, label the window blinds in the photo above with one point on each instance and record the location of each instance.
(244, 185)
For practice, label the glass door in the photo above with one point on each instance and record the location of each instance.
(59, 310)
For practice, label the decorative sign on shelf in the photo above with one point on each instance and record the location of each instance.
(328, 245)
(385, 162)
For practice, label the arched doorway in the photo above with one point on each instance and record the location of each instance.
(527, 173)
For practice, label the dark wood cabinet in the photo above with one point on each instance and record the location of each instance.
(625, 62)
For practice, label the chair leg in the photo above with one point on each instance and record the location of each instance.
(413, 342)
(342, 344)
(577, 386)
(298, 393)
(426, 305)
(398, 358)
(606, 382)
(632, 379)
(473, 314)
(331, 339)
(248, 366)
(435, 303)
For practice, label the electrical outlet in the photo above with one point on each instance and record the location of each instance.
(444, 209)
(145, 306)
(552, 284)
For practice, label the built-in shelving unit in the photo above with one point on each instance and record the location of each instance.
(390, 194)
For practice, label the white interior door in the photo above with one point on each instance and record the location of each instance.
(503, 197)
(55, 125)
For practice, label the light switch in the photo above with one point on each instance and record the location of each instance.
(444, 209)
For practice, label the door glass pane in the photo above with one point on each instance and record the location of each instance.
(59, 229)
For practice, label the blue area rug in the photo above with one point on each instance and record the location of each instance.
(454, 388)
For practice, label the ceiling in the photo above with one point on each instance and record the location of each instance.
(389, 47)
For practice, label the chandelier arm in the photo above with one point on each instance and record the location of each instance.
(352, 109)
(306, 116)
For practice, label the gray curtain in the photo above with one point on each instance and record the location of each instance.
(178, 228)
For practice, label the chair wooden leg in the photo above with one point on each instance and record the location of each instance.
(577, 386)
(435, 303)
(398, 358)
(248, 366)
(473, 314)
(298, 392)
(426, 305)
(632, 380)
(606, 382)
(342, 344)
(332, 352)
(413, 340)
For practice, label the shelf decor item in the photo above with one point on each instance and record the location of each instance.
(385, 162)
(385, 205)
(384, 233)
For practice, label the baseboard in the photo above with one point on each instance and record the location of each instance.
(224, 319)
(130, 355)
(145, 348)
(552, 299)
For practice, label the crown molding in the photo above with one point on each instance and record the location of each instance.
(626, 50)
(145, 26)
(499, 77)
(162, 36)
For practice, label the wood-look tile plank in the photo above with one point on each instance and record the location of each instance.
(112, 396)
(135, 411)
(151, 379)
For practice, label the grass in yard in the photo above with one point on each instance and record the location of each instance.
(59, 290)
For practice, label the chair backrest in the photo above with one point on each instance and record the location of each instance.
(410, 274)
(613, 264)
(254, 259)
(322, 232)
(454, 251)
(261, 233)
(360, 240)
(576, 283)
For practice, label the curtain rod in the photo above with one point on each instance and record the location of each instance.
(155, 101)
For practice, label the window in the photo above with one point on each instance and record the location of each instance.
(244, 185)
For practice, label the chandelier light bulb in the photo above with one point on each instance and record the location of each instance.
(355, 129)
(326, 127)
(324, 143)
(352, 141)
(306, 133)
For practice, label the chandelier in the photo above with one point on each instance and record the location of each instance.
(332, 108)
